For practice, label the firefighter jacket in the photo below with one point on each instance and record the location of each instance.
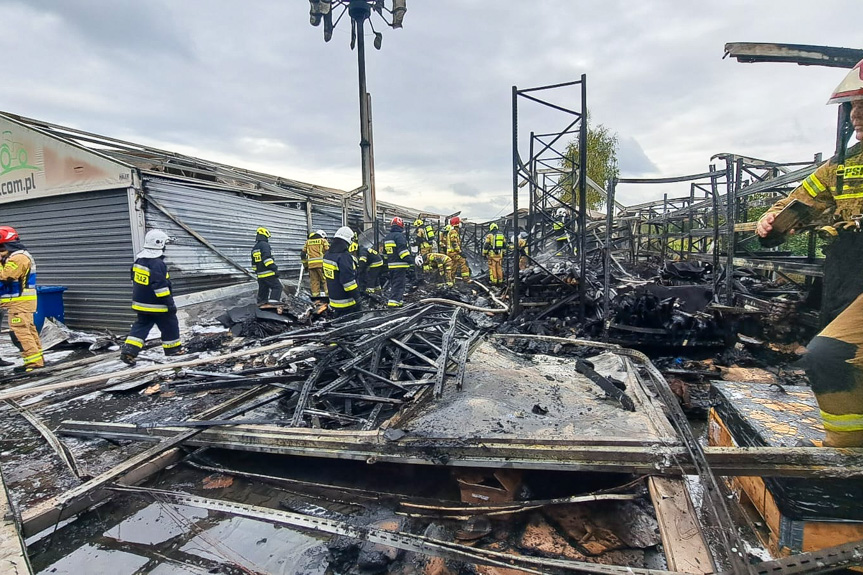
(18, 280)
(151, 286)
(396, 249)
(436, 260)
(495, 244)
(340, 271)
(369, 258)
(312, 254)
(262, 259)
(560, 232)
(818, 191)
(422, 240)
(453, 241)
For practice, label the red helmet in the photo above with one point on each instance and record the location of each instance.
(397, 221)
(455, 221)
(7, 234)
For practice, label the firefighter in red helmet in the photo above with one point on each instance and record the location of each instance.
(453, 248)
(18, 297)
(834, 195)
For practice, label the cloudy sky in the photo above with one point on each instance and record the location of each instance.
(253, 84)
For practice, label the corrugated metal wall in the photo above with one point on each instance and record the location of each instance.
(82, 241)
(226, 220)
(327, 218)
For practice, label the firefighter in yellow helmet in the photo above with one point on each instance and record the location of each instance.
(18, 297)
(441, 263)
(493, 249)
(266, 270)
(422, 240)
(312, 256)
(833, 194)
(453, 248)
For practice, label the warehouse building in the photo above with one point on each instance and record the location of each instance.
(83, 203)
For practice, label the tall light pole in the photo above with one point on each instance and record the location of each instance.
(330, 12)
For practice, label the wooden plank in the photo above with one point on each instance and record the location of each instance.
(130, 472)
(13, 552)
(684, 544)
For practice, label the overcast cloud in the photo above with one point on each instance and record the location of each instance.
(253, 84)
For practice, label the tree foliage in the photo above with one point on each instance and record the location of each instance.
(601, 164)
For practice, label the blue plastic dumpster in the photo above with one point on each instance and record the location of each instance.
(49, 303)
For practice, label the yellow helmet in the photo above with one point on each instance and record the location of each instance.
(418, 222)
(264, 232)
(492, 227)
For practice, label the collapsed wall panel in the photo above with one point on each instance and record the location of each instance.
(227, 221)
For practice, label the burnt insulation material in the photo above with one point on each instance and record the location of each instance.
(761, 415)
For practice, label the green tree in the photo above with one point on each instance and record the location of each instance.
(601, 164)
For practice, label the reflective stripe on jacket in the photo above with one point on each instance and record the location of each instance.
(18, 277)
(313, 251)
(396, 249)
(495, 243)
(340, 272)
(151, 286)
(262, 260)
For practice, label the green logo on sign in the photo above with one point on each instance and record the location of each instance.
(13, 156)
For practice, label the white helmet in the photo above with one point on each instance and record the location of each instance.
(156, 240)
(344, 233)
(851, 88)
(561, 212)
(323, 234)
(418, 261)
(522, 235)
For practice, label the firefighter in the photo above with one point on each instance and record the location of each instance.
(152, 299)
(834, 360)
(340, 271)
(441, 263)
(312, 256)
(493, 249)
(453, 248)
(397, 253)
(18, 297)
(422, 240)
(266, 270)
(443, 232)
(561, 234)
(370, 264)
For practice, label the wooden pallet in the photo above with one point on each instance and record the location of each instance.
(781, 535)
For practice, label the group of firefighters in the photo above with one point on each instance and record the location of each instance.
(341, 269)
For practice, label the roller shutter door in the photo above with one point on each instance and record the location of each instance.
(84, 242)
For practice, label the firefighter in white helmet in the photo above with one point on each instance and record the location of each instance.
(152, 299)
(340, 271)
(834, 194)
(561, 234)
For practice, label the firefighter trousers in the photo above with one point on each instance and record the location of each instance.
(370, 280)
(495, 269)
(459, 264)
(168, 326)
(317, 283)
(269, 289)
(834, 364)
(25, 337)
(397, 287)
